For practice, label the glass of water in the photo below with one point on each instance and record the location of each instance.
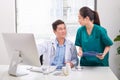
(65, 71)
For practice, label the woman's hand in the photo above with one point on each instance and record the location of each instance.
(101, 56)
(80, 53)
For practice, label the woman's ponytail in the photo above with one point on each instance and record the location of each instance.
(96, 18)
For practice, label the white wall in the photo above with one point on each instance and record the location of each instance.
(7, 24)
(109, 12)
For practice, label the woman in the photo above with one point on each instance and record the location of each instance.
(92, 37)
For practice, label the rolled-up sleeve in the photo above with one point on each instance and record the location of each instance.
(105, 38)
(78, 38)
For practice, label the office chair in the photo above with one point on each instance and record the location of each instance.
(41, 59)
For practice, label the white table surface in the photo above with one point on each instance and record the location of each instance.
(87, 73)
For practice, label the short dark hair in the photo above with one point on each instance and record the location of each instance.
(56, 23)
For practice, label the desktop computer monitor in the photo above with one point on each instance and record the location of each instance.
(21, 48)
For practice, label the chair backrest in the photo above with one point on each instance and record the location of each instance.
(41, 59)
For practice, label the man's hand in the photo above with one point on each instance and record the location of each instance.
(71, 64)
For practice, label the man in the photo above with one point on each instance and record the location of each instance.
(59, 51)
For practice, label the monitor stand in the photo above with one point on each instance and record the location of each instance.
(14, 68)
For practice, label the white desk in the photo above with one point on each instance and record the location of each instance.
(87, 73)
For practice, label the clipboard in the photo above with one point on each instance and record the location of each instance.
(91, 53)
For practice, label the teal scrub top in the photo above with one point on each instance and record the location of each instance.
(96, 41)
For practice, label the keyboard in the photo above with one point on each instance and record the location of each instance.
(41, 69)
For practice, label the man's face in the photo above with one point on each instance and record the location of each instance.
(61, 31)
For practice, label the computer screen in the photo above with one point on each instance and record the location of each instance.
(21, 47)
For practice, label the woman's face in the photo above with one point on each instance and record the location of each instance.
(61, 31)
(81, 20)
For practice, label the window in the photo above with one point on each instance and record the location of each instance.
(36, 16)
